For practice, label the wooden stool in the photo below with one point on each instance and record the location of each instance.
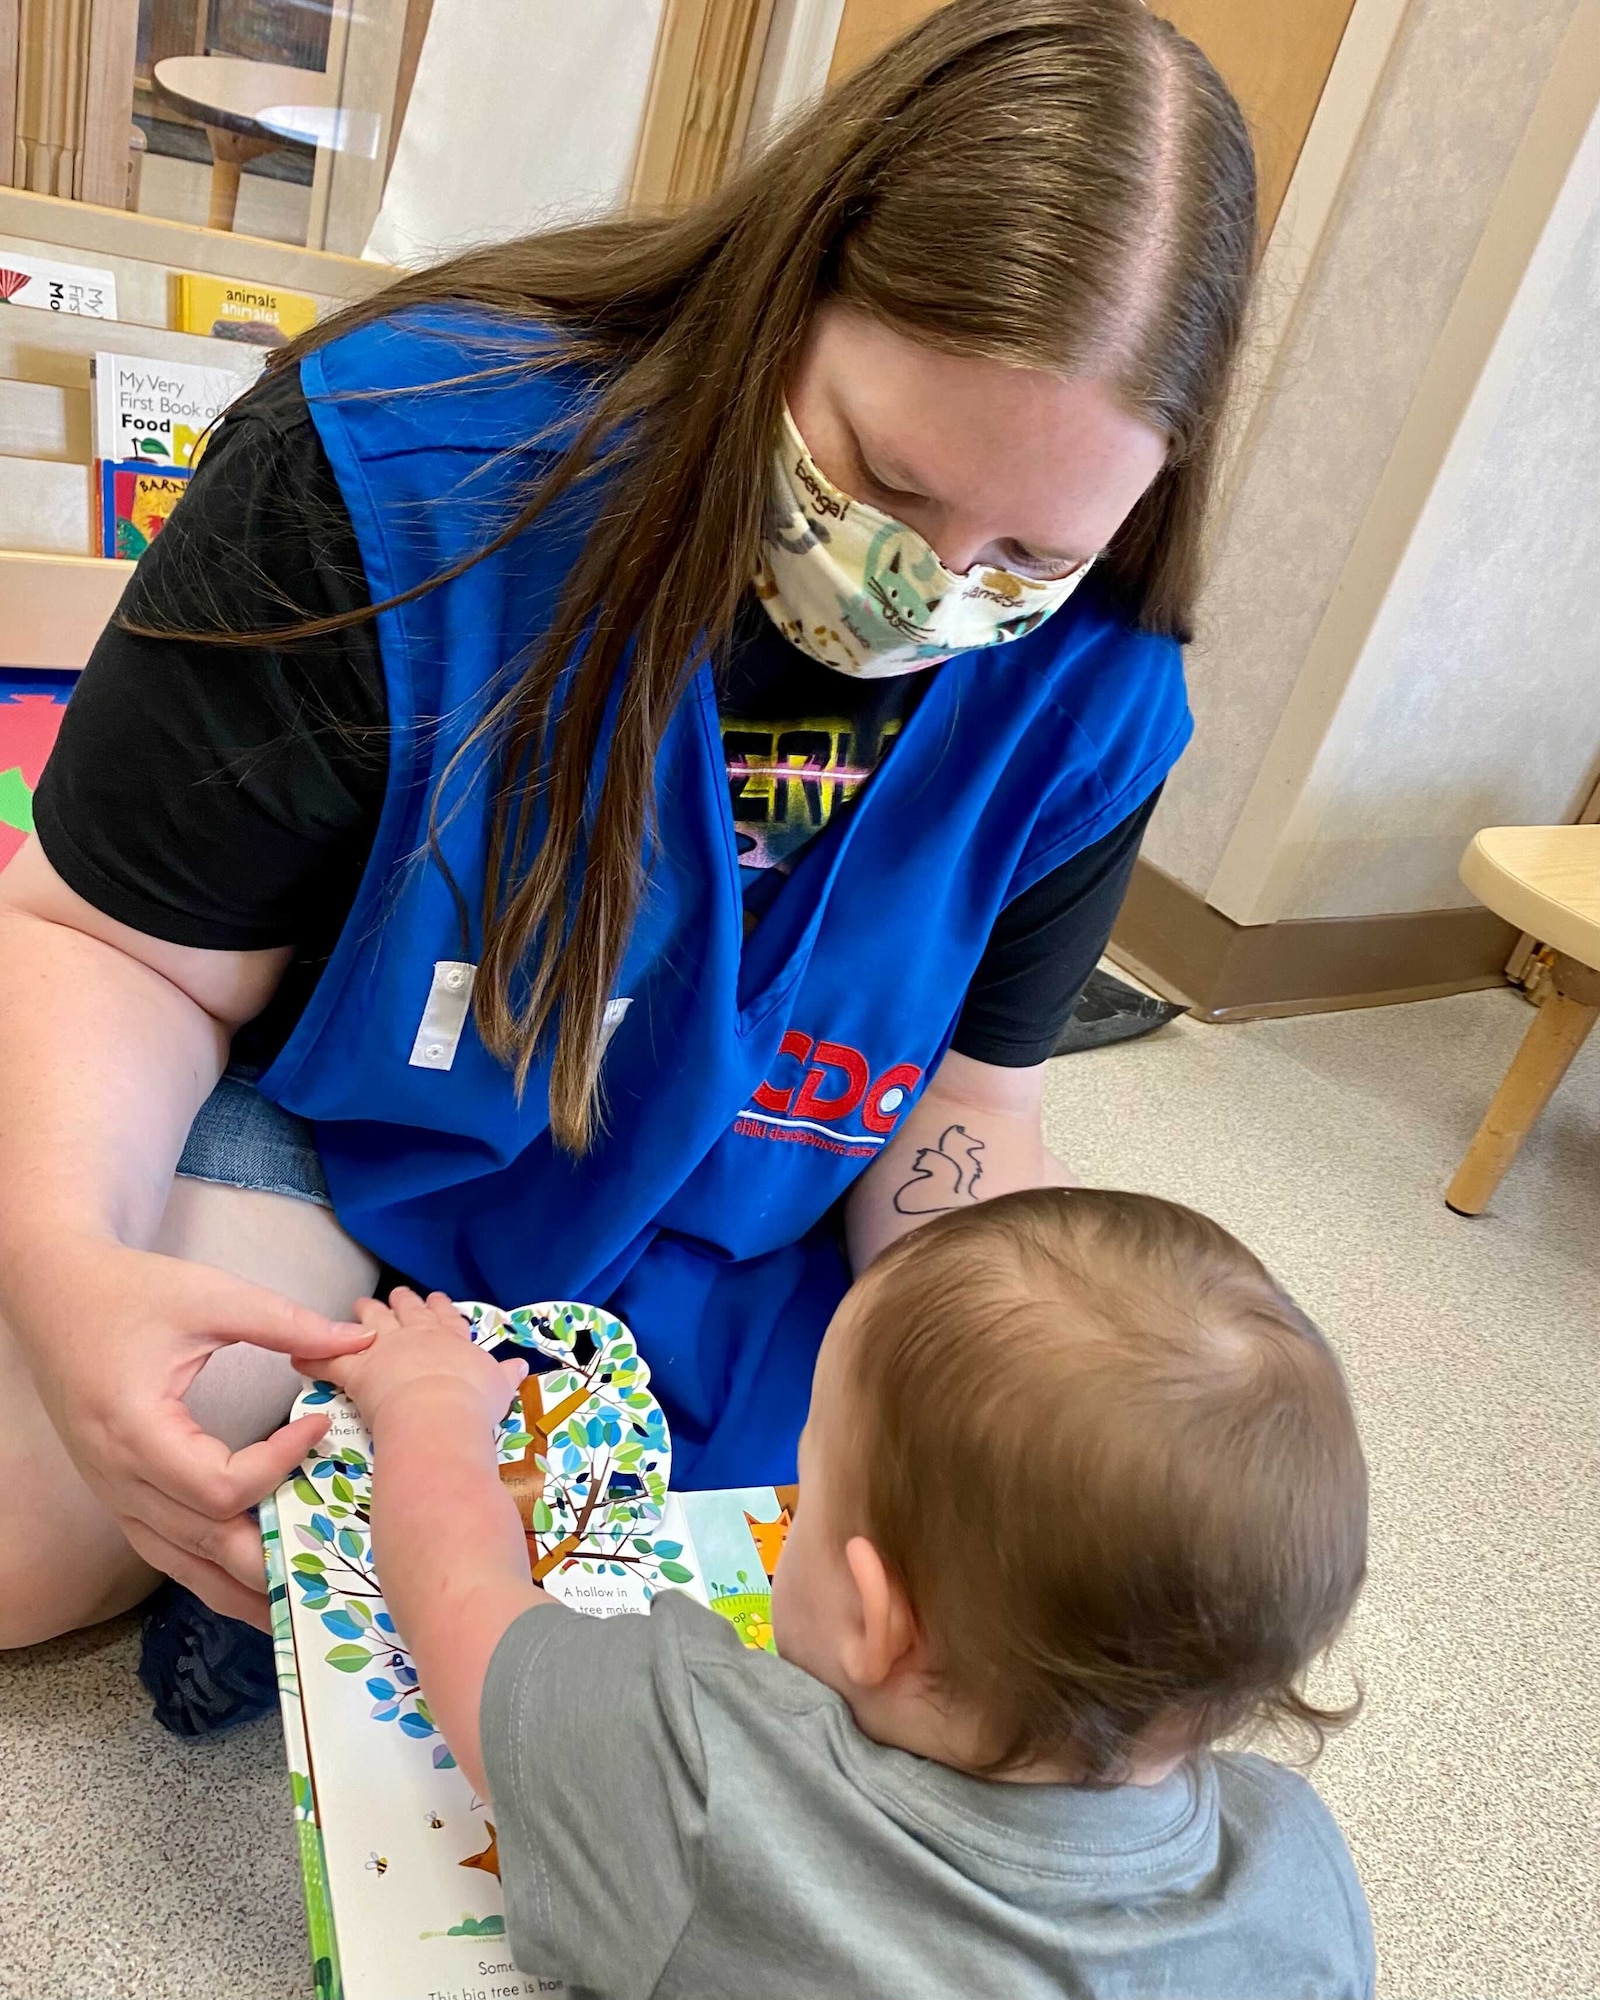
(1544, 879)
(243, 106)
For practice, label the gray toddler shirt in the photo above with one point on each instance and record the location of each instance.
(682, 1819)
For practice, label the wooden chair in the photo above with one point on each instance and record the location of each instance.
(1546, 881)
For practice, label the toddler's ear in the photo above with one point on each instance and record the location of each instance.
(884, 1634)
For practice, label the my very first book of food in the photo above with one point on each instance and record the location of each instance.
(398, 1852)
(150, 424)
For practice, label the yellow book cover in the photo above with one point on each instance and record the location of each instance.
(232, 309)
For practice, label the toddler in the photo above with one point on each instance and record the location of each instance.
(1080, 1493)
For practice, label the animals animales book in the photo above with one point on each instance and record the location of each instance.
(398, 1853)
(230, 309)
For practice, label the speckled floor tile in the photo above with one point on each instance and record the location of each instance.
(132, 1866)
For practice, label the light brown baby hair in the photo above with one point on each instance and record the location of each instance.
(1116, 1470)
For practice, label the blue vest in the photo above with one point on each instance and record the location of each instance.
(748, 1082)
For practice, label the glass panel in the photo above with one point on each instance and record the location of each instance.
(268, 117)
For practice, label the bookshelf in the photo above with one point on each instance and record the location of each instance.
(53, 608)
(46, 499)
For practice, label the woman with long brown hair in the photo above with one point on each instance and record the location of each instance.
(387, 911)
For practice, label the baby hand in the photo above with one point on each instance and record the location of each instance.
(423, 1347)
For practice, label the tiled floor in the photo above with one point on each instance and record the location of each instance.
(134, 1866)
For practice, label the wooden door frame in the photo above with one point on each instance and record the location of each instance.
(418, 14)
(702, 85)
(794, 69)
(10, 29)
(1304, 216)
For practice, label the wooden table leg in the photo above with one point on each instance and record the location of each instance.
(1558, 1031)
(229, 152)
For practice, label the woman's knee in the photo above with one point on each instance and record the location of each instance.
(63, 1561)
(291, 1246)
(50, 1588)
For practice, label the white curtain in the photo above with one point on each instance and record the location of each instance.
(524, 113)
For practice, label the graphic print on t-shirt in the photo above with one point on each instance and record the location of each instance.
(799, 741)
(788, 779)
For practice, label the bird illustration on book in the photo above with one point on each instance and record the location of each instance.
(489, 1859)
(585, 1454)
(942, 1175)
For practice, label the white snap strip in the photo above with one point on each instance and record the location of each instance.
(615, 1009)
(445, 1015)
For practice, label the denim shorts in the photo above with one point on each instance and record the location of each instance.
(241, 1139)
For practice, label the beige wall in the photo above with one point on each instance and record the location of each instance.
(1478, 704)
(1447, 120)
(524, 114)
(867, 26)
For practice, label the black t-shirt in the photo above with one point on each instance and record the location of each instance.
(226, 796)
(799, 741)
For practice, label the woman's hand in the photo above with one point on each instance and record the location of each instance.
(422, 1347)
(116, 1337)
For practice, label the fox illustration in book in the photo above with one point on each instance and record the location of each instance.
(769, 1537)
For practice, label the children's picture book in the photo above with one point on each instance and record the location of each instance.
(231, 309)
(82, 290)
(398, 1852)
(151, 419)
(32, 703)
(134, 504)
(157, 413)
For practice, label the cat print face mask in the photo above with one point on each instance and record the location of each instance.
(862, 592)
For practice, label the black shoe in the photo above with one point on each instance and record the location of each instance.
(205, 1673)
(1109, 1010)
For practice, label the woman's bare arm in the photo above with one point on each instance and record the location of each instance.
(109, 1043)
(975, 1132)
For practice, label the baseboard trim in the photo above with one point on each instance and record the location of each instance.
(1171, 938)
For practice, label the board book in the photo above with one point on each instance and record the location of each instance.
(150, 421)
(397, 1852)
(156, 413)
(135, 503)
(231, 309)
(82, 291)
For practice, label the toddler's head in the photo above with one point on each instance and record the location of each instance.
(1081, 1491)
